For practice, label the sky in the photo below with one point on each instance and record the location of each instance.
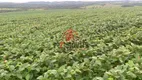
(22, 1)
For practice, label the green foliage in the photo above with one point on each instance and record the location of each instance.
(29, 45)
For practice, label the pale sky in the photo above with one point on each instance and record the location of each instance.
(21, 1)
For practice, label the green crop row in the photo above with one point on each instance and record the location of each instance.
(30, 45)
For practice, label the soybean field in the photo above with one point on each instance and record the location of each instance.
(107, 44)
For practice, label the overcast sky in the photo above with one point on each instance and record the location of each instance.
(42, 0)
(21, 1)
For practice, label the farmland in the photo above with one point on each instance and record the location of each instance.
(30, 44)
